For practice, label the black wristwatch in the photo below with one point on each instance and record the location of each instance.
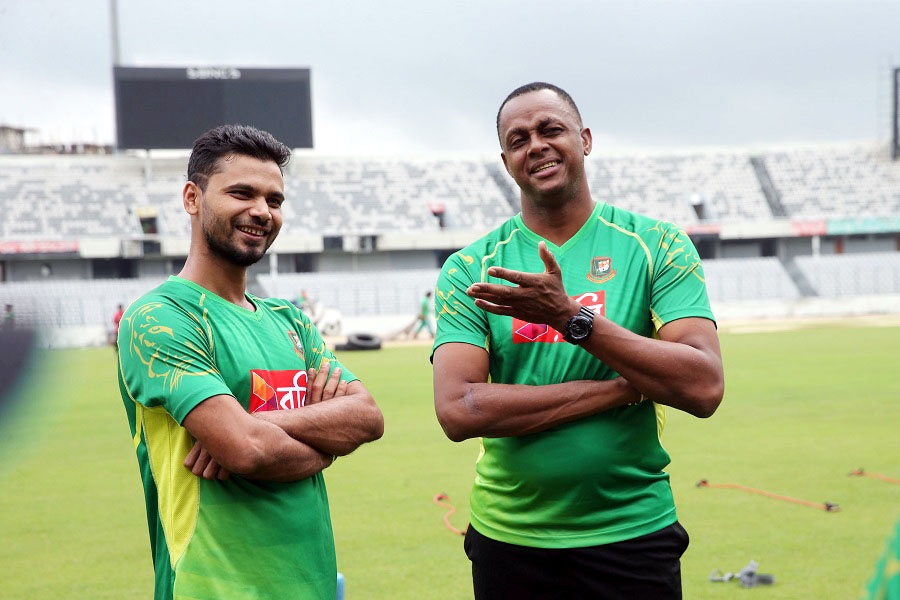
(579, 327)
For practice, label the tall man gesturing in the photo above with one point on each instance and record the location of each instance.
(234, 403)
(587, 320)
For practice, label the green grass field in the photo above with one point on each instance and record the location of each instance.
(802, 409)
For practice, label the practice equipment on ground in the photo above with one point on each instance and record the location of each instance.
(826, 506)
(861, 473)
(747, 576)
(360, 341)
(444, 500)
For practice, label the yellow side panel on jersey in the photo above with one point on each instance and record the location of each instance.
(178, 489)
(660, 408)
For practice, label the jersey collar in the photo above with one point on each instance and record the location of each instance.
(588, 226)
(212, 297)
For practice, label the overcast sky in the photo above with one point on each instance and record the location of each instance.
(413, 76)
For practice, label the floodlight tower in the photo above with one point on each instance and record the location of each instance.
(114, 30)
(114, 47)
(895, 133)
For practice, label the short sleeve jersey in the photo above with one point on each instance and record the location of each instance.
(885, 584)
(240, 539)
(599, 479)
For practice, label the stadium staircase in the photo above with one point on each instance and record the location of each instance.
(502, 180)
(804, 285)
(773, 196)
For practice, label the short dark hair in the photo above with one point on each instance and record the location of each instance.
(537, 86)
(232, 139)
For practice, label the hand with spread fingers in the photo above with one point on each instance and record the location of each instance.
(537, 297)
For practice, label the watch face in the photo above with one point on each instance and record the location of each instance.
(580, 328)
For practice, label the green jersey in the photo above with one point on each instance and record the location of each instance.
(179, 345)
(885, 585)
(599, 479)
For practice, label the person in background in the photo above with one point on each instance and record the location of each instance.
(9, 318)
(117, 318)
(424, 317)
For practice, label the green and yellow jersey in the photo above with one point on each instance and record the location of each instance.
(885, 584)
(239, 539)
(599, 479)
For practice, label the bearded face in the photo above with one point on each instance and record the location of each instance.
(228, 240)
(240, 209)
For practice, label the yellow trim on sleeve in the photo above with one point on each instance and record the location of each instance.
(494, 253)
(635, 236)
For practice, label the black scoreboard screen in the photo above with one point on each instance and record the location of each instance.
(171, 107)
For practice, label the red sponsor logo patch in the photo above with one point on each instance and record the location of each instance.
(526, 333)
(276, 390)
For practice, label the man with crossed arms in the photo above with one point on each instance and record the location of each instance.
(562, 335)
(234, 403)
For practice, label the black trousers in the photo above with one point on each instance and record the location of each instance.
(644, 568)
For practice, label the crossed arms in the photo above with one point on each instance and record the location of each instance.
(682, 369)
(284, 445)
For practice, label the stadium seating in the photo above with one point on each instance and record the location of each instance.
(67, 197)
(840, 275)
(741, 279)
(75, 197)
(71, 303)
(367, 196)
(668, 186)
(359, 293)
(836, 182)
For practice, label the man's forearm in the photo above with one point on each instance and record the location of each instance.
(672, 373)
(336, 427)
(503, 410)
(294, 462)
(270, 454)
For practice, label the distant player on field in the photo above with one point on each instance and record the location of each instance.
(234, 403)
(117, 319)
(9, 318)
(423, 319)
(587, 320)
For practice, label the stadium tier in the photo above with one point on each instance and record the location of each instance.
(371, 293)
(843, 275)
(72, 303)
(370, 197)
(775, 226)
(67, 197)
(685, 189)
(832, 182)
(59, 197)
(734, 279)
